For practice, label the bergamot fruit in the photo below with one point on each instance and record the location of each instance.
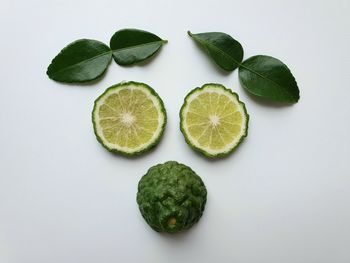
(213, 120)
(129, 118)
(171, 197)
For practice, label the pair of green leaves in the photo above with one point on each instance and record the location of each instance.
(86, 59)
(263, 76)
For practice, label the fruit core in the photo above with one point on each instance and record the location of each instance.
(127, 118)
(214, 120)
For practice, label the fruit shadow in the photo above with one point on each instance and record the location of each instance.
(180, 236)
(228, 157)
(211, 62)
(132, 157)
(138, 156)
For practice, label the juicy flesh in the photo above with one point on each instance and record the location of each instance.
(213, 120)
(128, 118)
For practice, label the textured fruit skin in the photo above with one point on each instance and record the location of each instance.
(171, 191)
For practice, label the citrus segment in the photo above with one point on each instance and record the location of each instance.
(213, 120)
(129, 118)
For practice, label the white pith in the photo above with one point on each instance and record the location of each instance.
(128, 118)
(214, 120)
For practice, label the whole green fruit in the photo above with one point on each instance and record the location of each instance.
(171, 197)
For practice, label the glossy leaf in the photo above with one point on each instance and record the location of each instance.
(222, 48)
(130, 46)
(269, 78)
(82, 60)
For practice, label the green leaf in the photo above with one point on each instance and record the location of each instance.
(82, 60)
(222, 48)
(269, 78)
(130, 46)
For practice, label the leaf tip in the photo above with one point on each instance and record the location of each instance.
(49, 70)
(296, 96)
(189, 33)
(296, 100)
(164, 41)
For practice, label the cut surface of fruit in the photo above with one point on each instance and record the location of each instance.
(213, 120)
(129, 118)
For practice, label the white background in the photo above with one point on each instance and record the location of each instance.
(282, 197)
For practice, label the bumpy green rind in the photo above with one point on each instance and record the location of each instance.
(171, 191)
(188, 141)
(152, 145)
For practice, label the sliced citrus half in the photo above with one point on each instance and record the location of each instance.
(129, 118)
(213, 120)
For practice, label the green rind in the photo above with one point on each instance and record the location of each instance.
(171, 190)
(78, 81)
(150, 146)
(188, 141)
